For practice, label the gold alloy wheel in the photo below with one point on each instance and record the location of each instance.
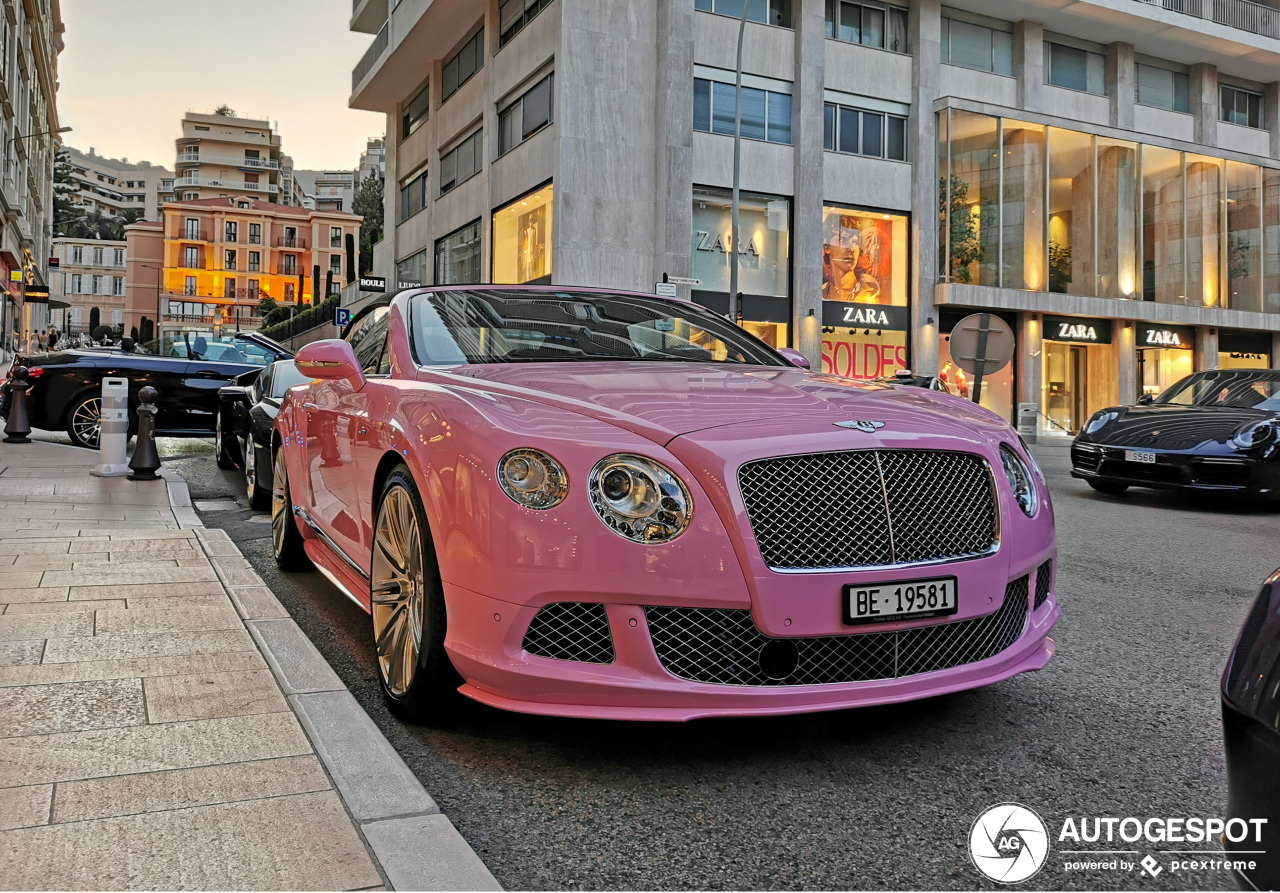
(397, 588)
(279, 501)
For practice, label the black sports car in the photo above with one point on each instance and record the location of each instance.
(66, 385)
(1216, 430)
(1251, 728)
(246, 410)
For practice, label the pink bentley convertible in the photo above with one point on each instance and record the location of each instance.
(588, 503)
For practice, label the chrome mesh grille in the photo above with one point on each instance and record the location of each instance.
(723, 646)
(869, 508)
(1044, 579)
(571, 631)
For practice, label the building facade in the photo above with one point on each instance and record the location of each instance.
(30, 41)
(903, 165)
(326, 190)
(373, 160)
(222, 155)
(210, 262)
(90, 275)
(113, 186)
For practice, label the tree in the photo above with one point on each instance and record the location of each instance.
(65, 187)
(147, 330)
(225, 111)
(95, 319)
(266, 305)
(368, 203)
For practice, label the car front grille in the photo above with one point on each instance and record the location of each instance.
(1044, 579)
(869, 508)
(571, 631)
(723, 646)
(1086, 456)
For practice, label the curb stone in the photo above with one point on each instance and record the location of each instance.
(415, 845)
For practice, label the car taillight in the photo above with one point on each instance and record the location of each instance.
(35, 372)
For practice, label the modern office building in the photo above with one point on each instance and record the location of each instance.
(112, 185)
(222, 155)
(30, 41)
(208, 265)
(1105, 175)
(90, 275)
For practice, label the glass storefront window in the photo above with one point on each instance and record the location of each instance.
(864, 257)
(997, 388)
(1162, 222)
(864, 353)
(1022, 249)
(1160, 368)
(1271, 239)
(971, 197)
(1070, 212)
(1117, 218)
(1244, 236)
(522, 239)
(1080, 372)
(764, 259)
(773, 334)
(1204, 230)
(412, 271)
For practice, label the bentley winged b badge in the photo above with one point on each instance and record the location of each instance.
(863, 425)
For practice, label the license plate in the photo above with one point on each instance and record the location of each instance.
(908, 600)
(1140, 456)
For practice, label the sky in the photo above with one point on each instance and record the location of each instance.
(132, 68)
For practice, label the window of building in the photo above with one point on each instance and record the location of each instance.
(415, 112)
(231, 231)
(193, 228)
(513, 15)
(255, 233)
(1074, 68)
(1240, 106)
(97, 285)
(868, 23)
(97, 257)
(191, 257)
(766, 114)
(458, 69)
(412, 271)
(255, 260)
(117, 285)
(229, 287)
(190, 196)
(413, 196)
(189, 286)
(252, 289)
(229, 259)
(461, 162)
(290, 264)
(289, 292)
(768, 12)
(458, 256)
(335, 264)
(860, 132)
(1162, 89)
(335, 237)
(77, 284)
(77, 254)
(117, 257)
(976, 46)
(526, 116)
(522, 238)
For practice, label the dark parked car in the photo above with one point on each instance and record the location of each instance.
(1251, 728)
(247, 409)
(907, 377)
(66, 385)
(1216, 430)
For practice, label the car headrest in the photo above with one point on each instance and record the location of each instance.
(200, 345)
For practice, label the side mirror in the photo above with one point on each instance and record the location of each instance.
(1146, 400)
(233, 392)
(332, 360)
(794, 357)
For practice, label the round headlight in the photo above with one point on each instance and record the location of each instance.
(1255, 435)
(639, 499)
(1020, 479)
(532, 478)
(1099, 420)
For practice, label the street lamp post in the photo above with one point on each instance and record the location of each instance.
(734, 308)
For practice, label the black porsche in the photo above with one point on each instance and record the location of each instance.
(1214, 430)
(247, 409)
(65, 386)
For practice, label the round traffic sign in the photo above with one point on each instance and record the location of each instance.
(984, 341)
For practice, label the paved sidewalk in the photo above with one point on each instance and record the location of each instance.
(145, 740)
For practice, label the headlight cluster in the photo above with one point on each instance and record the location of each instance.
(635, 497)
(1020, 479)
(533, 479)
(1100, 420)
(1258, 434)
(639, 499)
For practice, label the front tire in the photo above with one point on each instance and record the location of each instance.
(1108, 487)
(222, 446)
(407, 608)
(84, 421)
(286, 539)
(259, 496)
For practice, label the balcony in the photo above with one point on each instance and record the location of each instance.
(368, 15)
(265, 164)
(186, 234)
(294, 242)
(237, 185)
(287, 270)
(1243, 15)
(371, 55)
(240, 294)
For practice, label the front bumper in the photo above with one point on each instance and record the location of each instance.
(1175, 470)
(487, 637)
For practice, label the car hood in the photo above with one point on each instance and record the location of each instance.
(1174, 427)
(663, 401)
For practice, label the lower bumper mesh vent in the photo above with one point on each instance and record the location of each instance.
(1044, 578)
(724, 646)
(571, 631)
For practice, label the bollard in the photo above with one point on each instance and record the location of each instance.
(113, 429)
(16, 426)
(146, 459)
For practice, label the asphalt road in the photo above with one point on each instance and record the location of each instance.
(1123, 722)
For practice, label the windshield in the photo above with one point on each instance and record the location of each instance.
(285, 376)
(200, 347)
(482, 326)
(1227, 388)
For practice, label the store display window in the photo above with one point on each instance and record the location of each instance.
(522, 239)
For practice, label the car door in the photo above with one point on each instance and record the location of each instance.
(333, 409)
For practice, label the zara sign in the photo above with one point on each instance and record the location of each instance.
(1077, 329)
(1176, 337)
